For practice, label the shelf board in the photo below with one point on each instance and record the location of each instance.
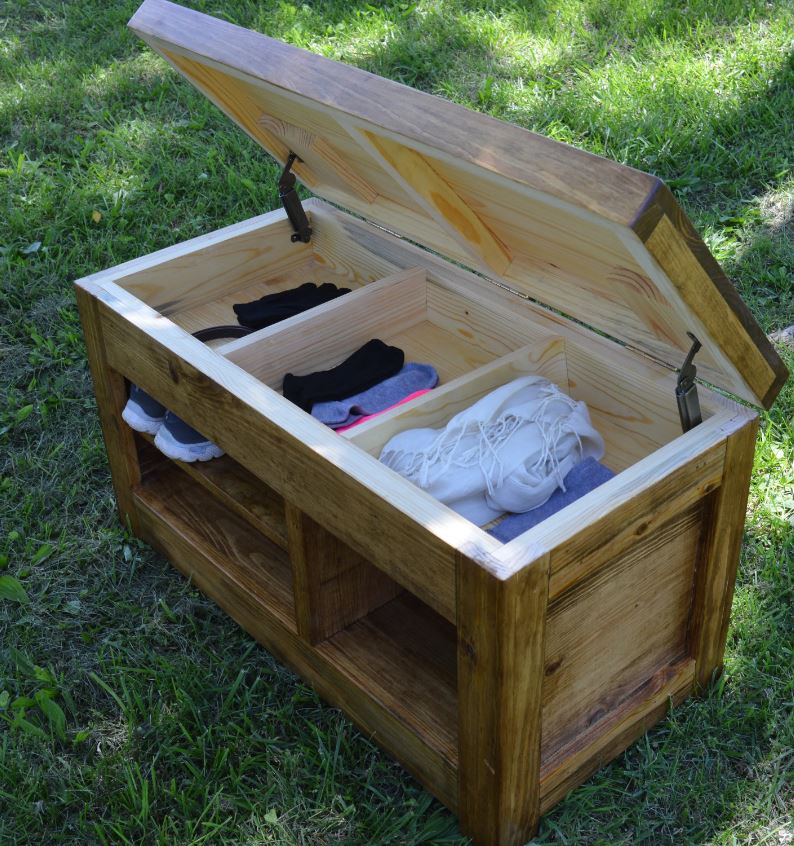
(244, 555)
(230, 483)
(405, 655)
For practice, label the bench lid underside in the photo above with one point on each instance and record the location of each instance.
(596, 240)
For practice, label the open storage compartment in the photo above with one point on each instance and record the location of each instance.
(501, 675)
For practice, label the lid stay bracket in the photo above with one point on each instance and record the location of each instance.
(292, 203)
(686, 390)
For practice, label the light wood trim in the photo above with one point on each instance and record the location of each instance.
(327, 334)
(494, 306)
(501, 630)
(415, 175)
(664, 205)
(201, 269)
(702, 296)
(436, 408)
(382, 516)
(611, 736)
(241, 108)
(333, 585)
(110, 390)
(716, 576)
(496, 185)
(308, 146)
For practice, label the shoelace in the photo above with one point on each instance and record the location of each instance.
(446, 450)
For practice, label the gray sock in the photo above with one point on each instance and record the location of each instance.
(412, 378)
(584, 477)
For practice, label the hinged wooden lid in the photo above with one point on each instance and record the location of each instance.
(599, 241)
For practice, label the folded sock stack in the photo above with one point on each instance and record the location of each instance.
(369, 365)
(273, 308)
(343, 413)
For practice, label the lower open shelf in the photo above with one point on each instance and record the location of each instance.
(393, 671)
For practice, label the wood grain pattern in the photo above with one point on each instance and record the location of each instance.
(624, 510)
(237, 489)
(525, 157)
(403, 655)
(501, 631)
(716, 574)
(724, 326)
(203, 269)
(663, 203)
(392, 672)
(242, 108)
(111, 397)
(416, 176)
(549, 220)
(616, 628)
(220, 310)
(258, 567)
(333, 585)
(309, 146)
(630, 398)
(614, 732)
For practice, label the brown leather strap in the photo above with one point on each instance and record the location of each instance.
(214, 333)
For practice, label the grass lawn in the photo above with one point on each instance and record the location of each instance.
(132, 711)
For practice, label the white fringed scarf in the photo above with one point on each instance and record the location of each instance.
(508, 452)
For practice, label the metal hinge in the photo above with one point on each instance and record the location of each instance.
(292, 202)
(686, 391)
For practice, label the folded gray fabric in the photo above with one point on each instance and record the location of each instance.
(412, 378)
(585, 476)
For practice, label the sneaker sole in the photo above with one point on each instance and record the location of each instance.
(170, 447)
(136, 418)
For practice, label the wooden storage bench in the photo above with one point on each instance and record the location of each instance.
(500, 675)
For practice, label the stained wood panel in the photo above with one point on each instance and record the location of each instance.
(393, 530)
(716, 576)
(333, 585)
(258, 567)
(501, 634)
(614, 630)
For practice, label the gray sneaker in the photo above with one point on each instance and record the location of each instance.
(142, 412)
(175, 439)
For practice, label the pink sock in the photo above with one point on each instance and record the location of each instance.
(361, 420)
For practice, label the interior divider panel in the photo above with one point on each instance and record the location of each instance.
(324, 336)
(438, 406)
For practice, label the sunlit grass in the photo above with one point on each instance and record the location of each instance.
(176, 727)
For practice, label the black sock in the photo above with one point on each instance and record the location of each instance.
(368, 366)
(280, 305)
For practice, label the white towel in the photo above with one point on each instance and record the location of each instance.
(508, 452)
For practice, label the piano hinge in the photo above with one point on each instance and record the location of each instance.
(686, 391)
(292, 202)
